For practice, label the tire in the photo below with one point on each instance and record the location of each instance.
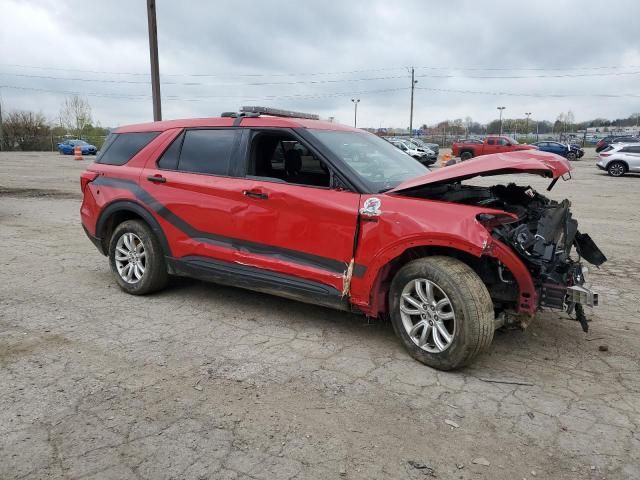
(459, 291)
(616, 169)
(154, 274)
(571, 156)
(466, 156)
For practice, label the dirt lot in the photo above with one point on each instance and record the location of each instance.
(203, 381)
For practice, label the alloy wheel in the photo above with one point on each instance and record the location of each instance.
(427, 315)
(130, 257)
(616, 170)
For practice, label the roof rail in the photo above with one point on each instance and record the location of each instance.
(276, 112)
(239, 115)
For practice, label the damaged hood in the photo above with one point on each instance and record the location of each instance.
(524, 161)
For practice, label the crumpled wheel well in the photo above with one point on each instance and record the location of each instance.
(486, 267)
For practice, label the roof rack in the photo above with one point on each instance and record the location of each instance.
(276, 112)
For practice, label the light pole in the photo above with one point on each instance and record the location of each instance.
(526, 130)
(355, 101)
(501, 109)
(413, 86)
(153, 54)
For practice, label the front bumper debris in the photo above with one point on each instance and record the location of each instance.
(582, 295)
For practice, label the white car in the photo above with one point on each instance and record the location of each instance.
(620, 158)
(409, 149)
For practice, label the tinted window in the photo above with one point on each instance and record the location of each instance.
(491, 141)
(502, 141)
(124, 146)
(630, 149)
(169, 159)
(207, 151)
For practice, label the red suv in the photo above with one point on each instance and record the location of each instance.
(283, 203)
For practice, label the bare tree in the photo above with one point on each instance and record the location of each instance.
(25, 130)
(75, 115)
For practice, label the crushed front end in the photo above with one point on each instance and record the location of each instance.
(546, 236)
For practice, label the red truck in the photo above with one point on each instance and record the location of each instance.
(469, 148)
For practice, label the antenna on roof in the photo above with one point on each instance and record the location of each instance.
(276, 112)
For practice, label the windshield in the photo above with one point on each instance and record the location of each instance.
(78, 142)
(380, 165)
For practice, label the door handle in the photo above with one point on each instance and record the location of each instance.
(254, 194)
(157, 178)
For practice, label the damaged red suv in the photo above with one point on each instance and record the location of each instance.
(283, 203)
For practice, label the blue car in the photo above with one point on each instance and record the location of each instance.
(570, 152)
(66, 147)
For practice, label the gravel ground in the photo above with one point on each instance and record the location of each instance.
(204, 381)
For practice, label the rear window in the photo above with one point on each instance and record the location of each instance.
(119, 148)
(207, 151)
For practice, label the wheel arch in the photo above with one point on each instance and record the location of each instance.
(616, 160)
(525, 301)
(120, 211)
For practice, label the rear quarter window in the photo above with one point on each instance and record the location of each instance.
(119, 148)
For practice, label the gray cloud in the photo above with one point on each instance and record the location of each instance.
(233, 39)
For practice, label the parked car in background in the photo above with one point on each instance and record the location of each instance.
(470, 148)
(620, 158)
(432, 146)
(568, 151)
(412, 150)
(67, 147)
(606, 141)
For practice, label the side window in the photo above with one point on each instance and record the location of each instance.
(207, 151)
(124, 147)
(169, 159)
(491, 141)
(502, 141)
(635, 149)
(282, 158)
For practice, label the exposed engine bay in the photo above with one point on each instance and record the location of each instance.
(543, 235)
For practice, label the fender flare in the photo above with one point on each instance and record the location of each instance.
(527, 300)
(138, 209)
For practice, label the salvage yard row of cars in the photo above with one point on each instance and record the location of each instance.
(280, 202)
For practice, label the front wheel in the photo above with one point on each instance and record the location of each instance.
(136, 258)
(442, 312)
(571, 156)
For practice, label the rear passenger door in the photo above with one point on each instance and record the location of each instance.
(632, 156)
(191, 188)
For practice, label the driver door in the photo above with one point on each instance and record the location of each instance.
(294, 222)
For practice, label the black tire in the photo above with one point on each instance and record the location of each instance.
(155, 276)
(466, 156)
(470, 302)
(616, 169)
(571, 156)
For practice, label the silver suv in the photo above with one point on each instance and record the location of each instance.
(620, 158)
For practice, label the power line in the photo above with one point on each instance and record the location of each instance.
(312, 82)
(321, 95)
(301, 74)
(535, 95)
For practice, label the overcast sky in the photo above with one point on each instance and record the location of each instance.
(314, 56)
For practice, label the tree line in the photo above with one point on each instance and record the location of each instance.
(564, 123)
(24, 130)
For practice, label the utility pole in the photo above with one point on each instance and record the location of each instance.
(413, 86)
(528, 114)
(501, 109)
(153, 55)
(355, 113)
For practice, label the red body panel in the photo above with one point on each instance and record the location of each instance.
(406, 223)
(531, 161)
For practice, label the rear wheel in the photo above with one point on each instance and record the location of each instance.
(441, 311)
(137, 259)
(616, 169)
(466, 156)
(571, 156)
